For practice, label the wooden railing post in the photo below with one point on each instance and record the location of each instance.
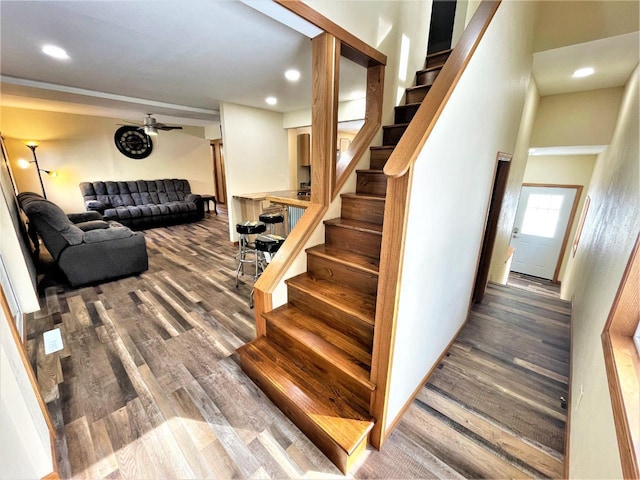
(324, 115)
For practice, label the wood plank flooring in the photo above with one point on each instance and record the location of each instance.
(148, 385)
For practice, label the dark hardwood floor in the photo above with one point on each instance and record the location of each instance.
(148, 385)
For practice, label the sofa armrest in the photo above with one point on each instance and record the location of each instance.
(92, 225)
(84, 216)
(191, 197)
(107, 234)
(95, 205)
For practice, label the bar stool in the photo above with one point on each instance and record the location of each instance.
(247, 252)
(272, 219)
(266, 246)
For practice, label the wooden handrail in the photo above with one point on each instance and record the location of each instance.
(406, 152)
(356, 50)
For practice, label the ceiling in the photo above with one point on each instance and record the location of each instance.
(176, 58)
(613, 59)
(181, 59)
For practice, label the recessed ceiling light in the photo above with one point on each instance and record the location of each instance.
(55, 52)
(271, 100)
(583, 72)
(292, 75)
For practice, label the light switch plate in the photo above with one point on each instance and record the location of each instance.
(52, 341)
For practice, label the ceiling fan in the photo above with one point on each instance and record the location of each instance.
(151, 126)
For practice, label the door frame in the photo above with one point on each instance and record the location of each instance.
(572, 215)
(219, 174)
(498, 189)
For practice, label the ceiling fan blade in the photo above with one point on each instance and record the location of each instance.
(167, 127)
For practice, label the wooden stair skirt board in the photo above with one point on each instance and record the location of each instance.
(315, 360)
(316, 407)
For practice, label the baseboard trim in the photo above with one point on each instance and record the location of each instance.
(567, 428)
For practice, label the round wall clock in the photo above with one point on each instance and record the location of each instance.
(133, 142)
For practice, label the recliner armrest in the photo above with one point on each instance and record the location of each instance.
(191, 197)
(84, 216)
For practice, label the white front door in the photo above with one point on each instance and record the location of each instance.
(541, 222)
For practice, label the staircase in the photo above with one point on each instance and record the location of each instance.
(315, 360)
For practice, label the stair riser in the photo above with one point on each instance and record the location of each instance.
(392, 135)
(363, 209)
(319, 438)
(378, 157)
(342, 321)
(371, 183)
(404, 114)
(351, 390)
(365, 243)
(427, 78)
(436, 60)
(328, 269)
(416, 95)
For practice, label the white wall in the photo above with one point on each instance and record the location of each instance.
(25, 450)
(499, 271)
(256, 154)
(81, 148)
(580, 118)
(592, 279)
(563, 170)
(449, 198)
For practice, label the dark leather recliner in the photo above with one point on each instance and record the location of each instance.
(85, 247)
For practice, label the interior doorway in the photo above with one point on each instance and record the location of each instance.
(493, 214)
(219, 177)
(541, 230)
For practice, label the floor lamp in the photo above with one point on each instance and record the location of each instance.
(51, 173)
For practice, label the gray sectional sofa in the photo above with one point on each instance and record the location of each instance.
(144, 203)
(85, 247)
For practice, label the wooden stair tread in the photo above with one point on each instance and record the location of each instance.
(410, 105)
(359, 196)
(429, 69)
(324, 341)
(368, 227)
(398, 125)
(348, 300)
(441, 52)
(345, 257)
(345, 425)
(381, 147)
(416, 87)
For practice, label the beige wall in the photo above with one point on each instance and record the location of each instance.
(581, 118)
(499, 270)
(564, 170)
(562, 23)
(81, 148)
(592, 279)
(256, 154)
(449, 198)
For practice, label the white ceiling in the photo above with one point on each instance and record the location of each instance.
(177, 58)
(180, 59)
(613, 60)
